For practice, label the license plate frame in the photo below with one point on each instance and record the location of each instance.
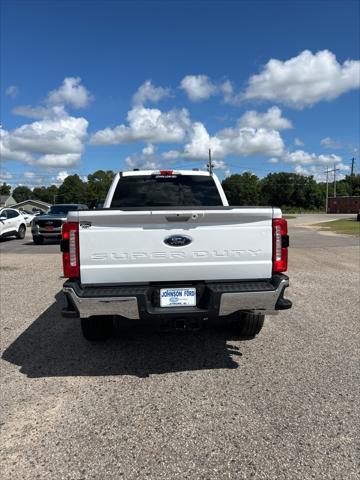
(178, 297)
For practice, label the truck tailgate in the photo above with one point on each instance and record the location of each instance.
(127, 246)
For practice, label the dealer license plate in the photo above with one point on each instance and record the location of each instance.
(177, 297)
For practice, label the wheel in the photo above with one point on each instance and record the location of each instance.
(248, 324)
(21, 232)
(38, 240)
(97, 329)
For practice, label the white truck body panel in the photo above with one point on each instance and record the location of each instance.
(122, 246)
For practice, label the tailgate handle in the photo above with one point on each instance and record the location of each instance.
(179, 217)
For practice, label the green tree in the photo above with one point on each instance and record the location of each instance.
(242, 189)
(278, 189)
(5, 189)
(22, 193)
(98, 185)
(72, 190)
(354, 184)
(46, 194)
(285, 189)
(343, 188)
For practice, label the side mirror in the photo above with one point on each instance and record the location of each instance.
(2, 218)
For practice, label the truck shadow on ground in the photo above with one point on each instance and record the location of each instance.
(53, 346)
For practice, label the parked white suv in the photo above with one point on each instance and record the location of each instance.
(29, 217)
(12, 223)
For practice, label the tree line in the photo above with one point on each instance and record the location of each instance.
(285, 190)
(72, 190)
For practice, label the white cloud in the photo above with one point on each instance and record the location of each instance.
(60, 136)
(5, 176)
(299, 157)
(318, 172)
(271, 119)
(31, 112)
(141, 161)
(307, 171)
(304, 80)
(201, 87)
(59, 160)
(219, 164)
(298, 142)
(233, 141)
(71, 92)
(12, 91)
(62, 175)
(6, 153)
(29, 175)
(147, 92)
(31, 179)
(273, 160)
(54, 142)
(148, 125)
(227, 90)
(148, 150)
(171, 155)
(56, 139)
(198, 87)
(330, 143)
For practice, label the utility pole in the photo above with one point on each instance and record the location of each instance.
(352, 166)
(327, 190)
(334, 170)
(210, 165)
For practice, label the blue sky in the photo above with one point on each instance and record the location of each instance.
(70, 70)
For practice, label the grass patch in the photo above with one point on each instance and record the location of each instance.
(289, 217)
(348, 226)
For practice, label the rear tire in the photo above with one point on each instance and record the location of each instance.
(38, 240)
(248, 325)
(21, 232)
(97, 329)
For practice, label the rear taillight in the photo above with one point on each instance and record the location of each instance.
(280, 245)
(70, 250)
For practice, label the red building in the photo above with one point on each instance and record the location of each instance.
(343, 204)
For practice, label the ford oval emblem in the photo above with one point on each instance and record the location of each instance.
(178, 240)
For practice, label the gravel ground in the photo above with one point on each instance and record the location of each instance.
(192, 406)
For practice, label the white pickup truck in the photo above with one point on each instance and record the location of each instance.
(167, 248)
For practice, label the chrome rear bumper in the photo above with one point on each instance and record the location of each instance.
(140, 302)
(260, 300)
(88, 307)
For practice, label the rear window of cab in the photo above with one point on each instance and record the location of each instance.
(166, 191)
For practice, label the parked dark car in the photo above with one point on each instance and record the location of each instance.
(49, 226)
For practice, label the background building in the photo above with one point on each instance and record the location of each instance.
(32, 205)
(344, 204)
(7, 201)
